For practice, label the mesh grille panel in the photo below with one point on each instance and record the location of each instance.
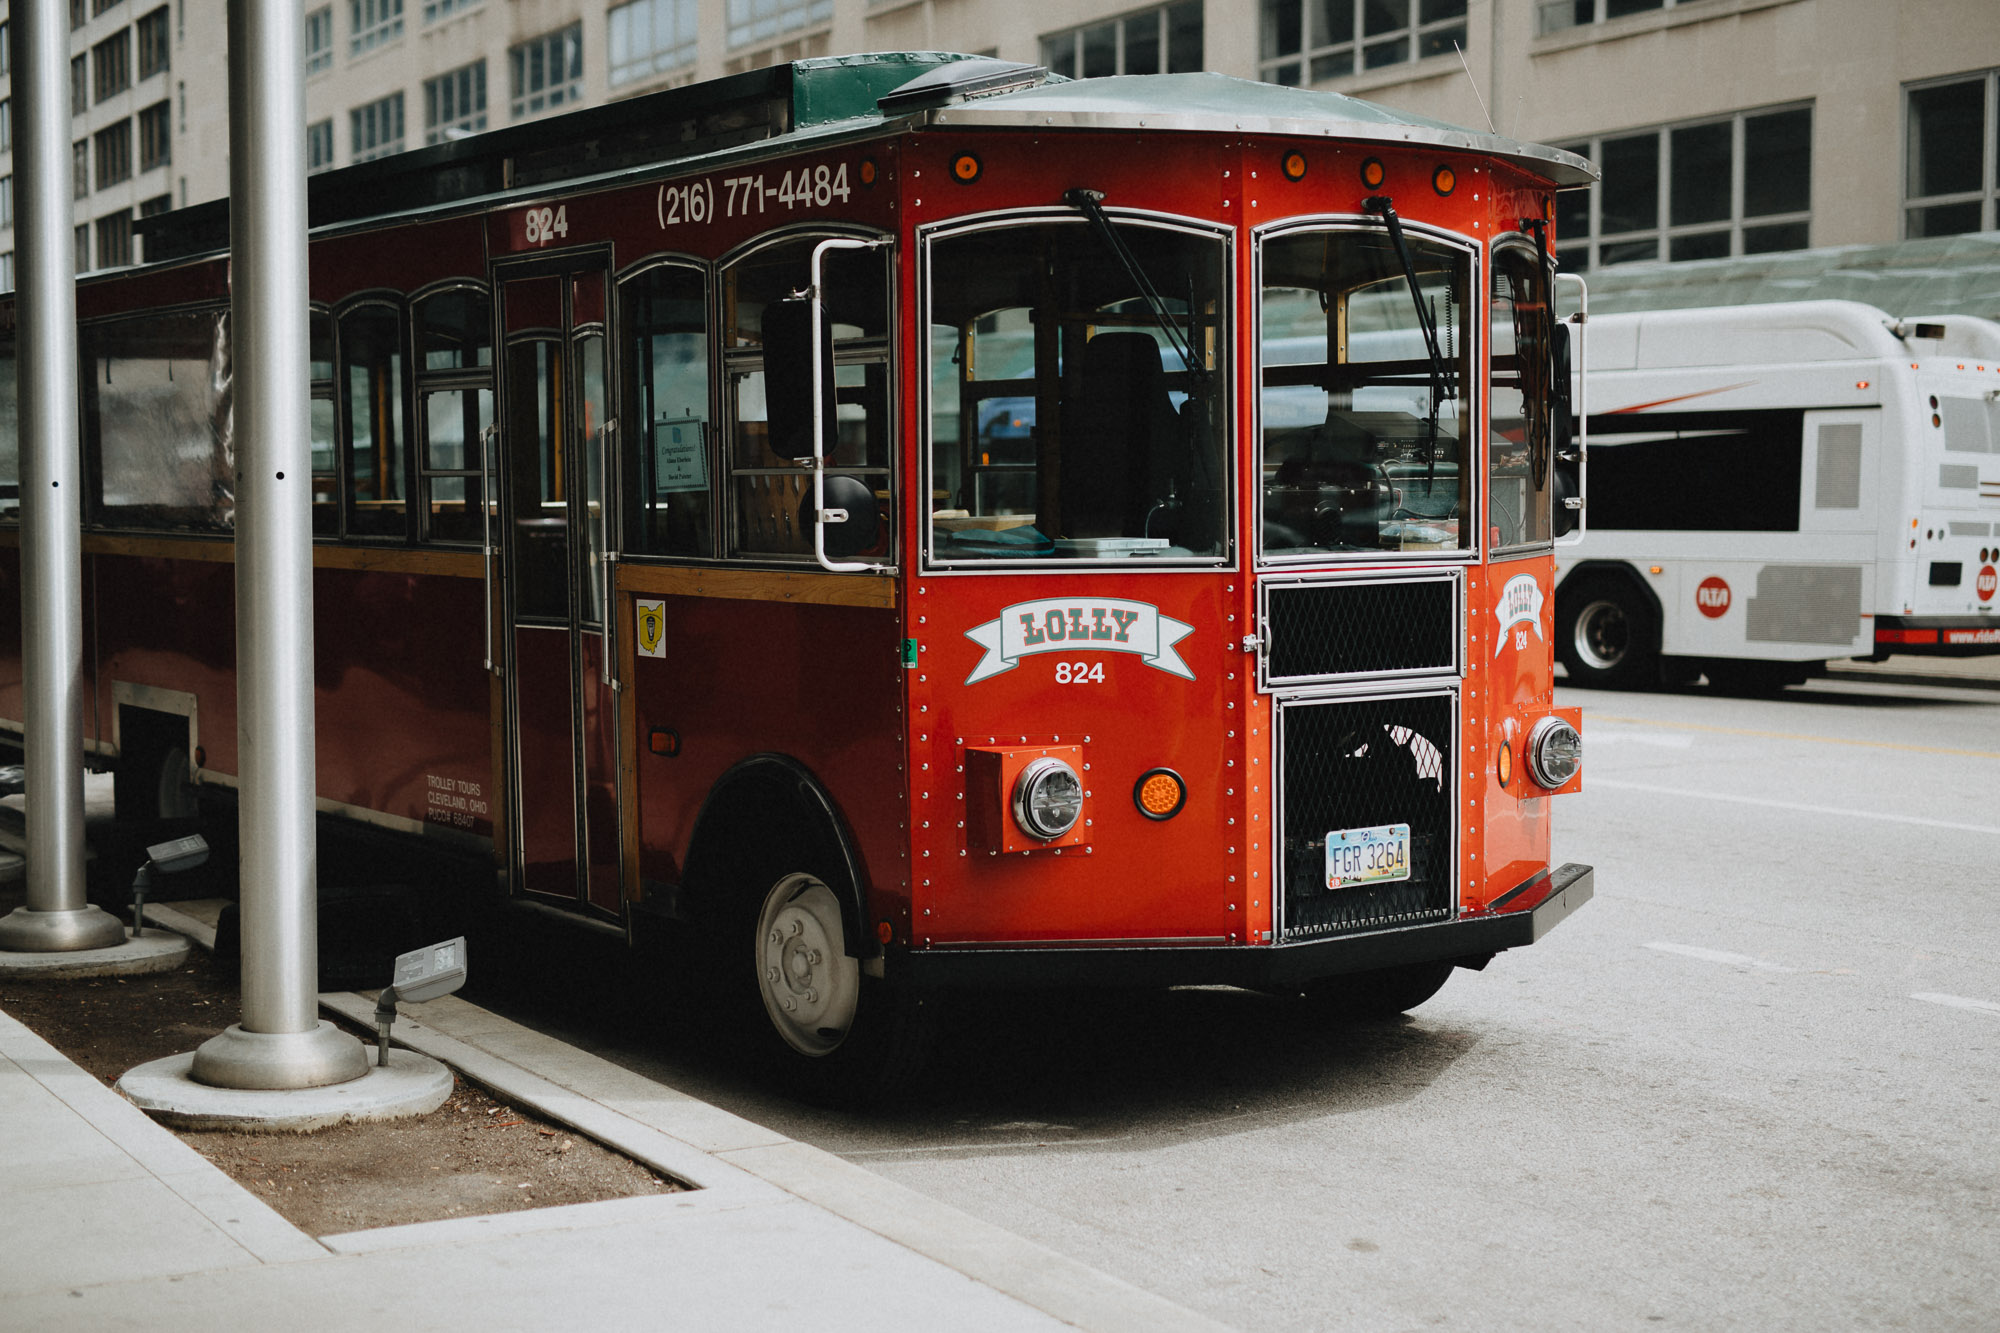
(1345, 629)
(1351, 764)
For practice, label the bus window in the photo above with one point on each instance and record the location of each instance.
(766, 489)
(1070, 417)
(1365, 439)
(325, 450)
(666, 397)
(454, 343)
(1518, 460)
(371, 361)
(156, 421)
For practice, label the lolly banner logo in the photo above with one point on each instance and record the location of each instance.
(1520, 603)
(1087, 624)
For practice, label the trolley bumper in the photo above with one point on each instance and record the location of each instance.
(1520, 917)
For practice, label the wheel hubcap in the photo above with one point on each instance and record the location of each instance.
(1603, 635)
(810, 986)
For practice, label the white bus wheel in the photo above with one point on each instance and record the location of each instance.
(810, 986)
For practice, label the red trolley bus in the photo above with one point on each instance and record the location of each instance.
(920, 522)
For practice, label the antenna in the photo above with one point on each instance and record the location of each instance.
(1475, 87)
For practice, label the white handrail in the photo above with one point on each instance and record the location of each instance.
(821, 514)
(1579, 364)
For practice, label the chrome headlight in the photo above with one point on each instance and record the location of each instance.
(1554, 752)
(1048, 799)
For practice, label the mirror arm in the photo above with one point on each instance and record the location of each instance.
(821, 514)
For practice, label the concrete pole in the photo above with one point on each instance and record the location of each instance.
(56, 917)
(280, 1043)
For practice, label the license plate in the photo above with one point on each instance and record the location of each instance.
(1367, 855)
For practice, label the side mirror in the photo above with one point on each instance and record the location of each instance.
(1567, 457)
(788, 376)
(859, 521)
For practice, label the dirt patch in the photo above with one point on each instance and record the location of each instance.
(476, 1154)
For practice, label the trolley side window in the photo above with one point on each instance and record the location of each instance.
(1068, 419)
(767, 489)
(454, 360)
(665, 324)
(156, 422)
(1519, 462)
(325, 433)
(1365, 436)
(371, 365)
(10, 434)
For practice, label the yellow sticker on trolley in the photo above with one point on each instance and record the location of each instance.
(652, 629)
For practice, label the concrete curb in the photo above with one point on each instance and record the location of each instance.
(689, 1139)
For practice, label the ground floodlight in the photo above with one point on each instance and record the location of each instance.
(421, 974)
(164, 858)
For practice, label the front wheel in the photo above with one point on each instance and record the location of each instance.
(1605, 636)
(831, 1034)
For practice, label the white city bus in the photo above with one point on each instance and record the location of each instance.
(1774, 486)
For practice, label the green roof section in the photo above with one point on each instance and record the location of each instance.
(1937, 275)
(835, 88)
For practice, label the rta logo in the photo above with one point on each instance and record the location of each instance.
(1986, 583)
(1711, 597)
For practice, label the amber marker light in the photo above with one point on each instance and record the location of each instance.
(1294, 166)
(885, 932)
(664, 742)
(1503, 763)
(1444, 180)
(1159, 793)
(965, 168)
(867, 171)
(1372, 173)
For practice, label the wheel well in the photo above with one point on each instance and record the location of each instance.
(145, 737)
(1611, 571)
(770, 813)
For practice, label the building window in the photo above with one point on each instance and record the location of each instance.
(437, 9)
(1949, 172)
(547, 72)
(79, 85)
(6, 49)
(6, 124)
(1310, 41)
(158, 204)
(7, 271)
(103, 6)
(376, 130)
(114, 154)
(1737, 186)
(78, 14)
(156, 135)
(455, 103)
(153, 44)
(83, 248)
(111, 65)
(1154, 41)
(319, 145)
(650, 37)
(372, 23)
(753, 21)
(1555, 15)
(6, 201)
(79, 169)
(319, 40)
(114, 240)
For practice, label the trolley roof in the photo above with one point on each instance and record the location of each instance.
(841, 95)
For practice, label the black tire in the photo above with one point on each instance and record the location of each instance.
(1383, 993)
(1607, 637)
(820, 1028)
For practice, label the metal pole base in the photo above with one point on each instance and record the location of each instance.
(24, 930)
(273, 1061)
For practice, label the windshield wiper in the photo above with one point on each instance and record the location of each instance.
(1381, 205)
(1091, 204)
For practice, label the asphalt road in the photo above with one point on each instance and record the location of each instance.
(1752, 1084)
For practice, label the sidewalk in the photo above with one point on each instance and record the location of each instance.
(107, 1220)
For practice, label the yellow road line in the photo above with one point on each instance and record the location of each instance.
(1788, 736)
